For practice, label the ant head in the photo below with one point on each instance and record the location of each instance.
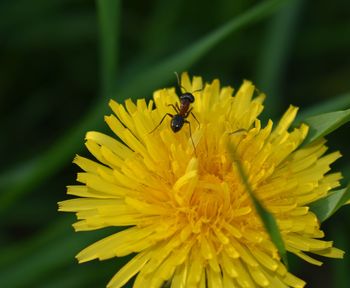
(186, 93)
(187, 96)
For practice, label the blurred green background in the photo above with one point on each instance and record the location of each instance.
(60, 62)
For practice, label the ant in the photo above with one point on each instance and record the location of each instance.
(182, 112)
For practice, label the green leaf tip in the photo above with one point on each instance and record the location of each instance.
(323, 124)
(327, 206)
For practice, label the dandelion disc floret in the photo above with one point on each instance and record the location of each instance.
(189, 217)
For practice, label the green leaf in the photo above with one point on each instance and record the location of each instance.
(339, 102)
(327, 206)
(267, 218)
(324, 124)
(20, 180)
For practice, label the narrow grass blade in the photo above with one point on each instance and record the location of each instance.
(163, 72)
(109, 18)
(275, 52)
(266, 217)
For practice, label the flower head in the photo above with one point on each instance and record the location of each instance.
(187, 213)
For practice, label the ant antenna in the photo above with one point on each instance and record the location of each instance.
(179, 84)
(178, 81)
(197, 90)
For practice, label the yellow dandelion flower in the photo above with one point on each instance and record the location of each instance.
(187, 213)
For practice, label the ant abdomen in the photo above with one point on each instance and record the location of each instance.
(177, 122)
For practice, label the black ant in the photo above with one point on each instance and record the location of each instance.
(182, 112)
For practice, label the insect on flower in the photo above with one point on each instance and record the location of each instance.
(182, 112)
(189, 221)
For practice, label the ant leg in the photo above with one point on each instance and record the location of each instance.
(238, 131)
(190, 112)
(197, 90)
(176, 108)
(194, 117)
(161, 121)
(194, 147)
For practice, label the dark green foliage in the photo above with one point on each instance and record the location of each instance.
(62, 60)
